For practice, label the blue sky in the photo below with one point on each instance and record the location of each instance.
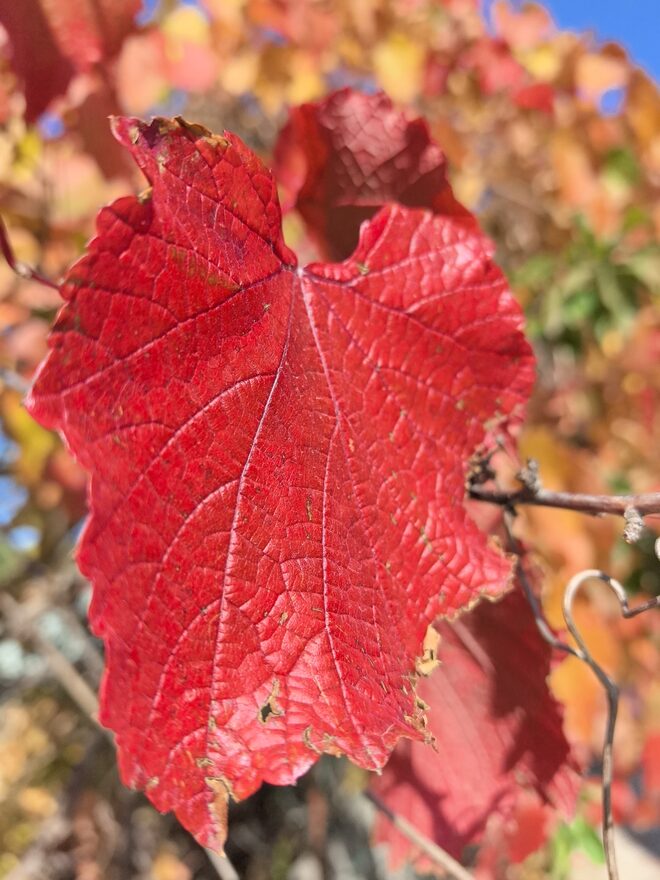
(635, 24)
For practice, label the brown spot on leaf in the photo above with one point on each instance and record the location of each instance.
(307, 739)
(193, 128)
(429, 659)
(270, 707)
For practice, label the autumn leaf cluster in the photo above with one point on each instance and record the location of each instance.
(353, 376)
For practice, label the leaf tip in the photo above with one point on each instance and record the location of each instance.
(218, 811)
(125, 129)
(133, 132)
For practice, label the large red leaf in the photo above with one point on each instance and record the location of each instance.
(342, 158)
(53, 39)
(277, 461)
(498, 733)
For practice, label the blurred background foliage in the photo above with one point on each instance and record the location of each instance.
(554, 142)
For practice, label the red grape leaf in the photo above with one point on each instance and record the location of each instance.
(498, 732)
(51, 40)
(340, 159)
(277, 461)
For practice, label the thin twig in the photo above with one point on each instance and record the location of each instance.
(23, 271)
(64, 671)
(645, 504)
(622, 505)
(438, 855)
(223, 867)
(49, 591)
(517, 548)
(611, 690)
(582, 653)
(91, 657)
(518, 199)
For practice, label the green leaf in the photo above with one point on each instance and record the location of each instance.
(585, 838)
(573, 837)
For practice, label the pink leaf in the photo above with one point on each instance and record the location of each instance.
(498, 732)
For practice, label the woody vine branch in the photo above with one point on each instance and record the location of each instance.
(633, 508)
(531, 492)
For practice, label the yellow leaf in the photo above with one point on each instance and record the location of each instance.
(35, 443)
(186, 24)
(37, 801)
(306, 82)
(398, 64)
(544, 62)
(239, 74)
